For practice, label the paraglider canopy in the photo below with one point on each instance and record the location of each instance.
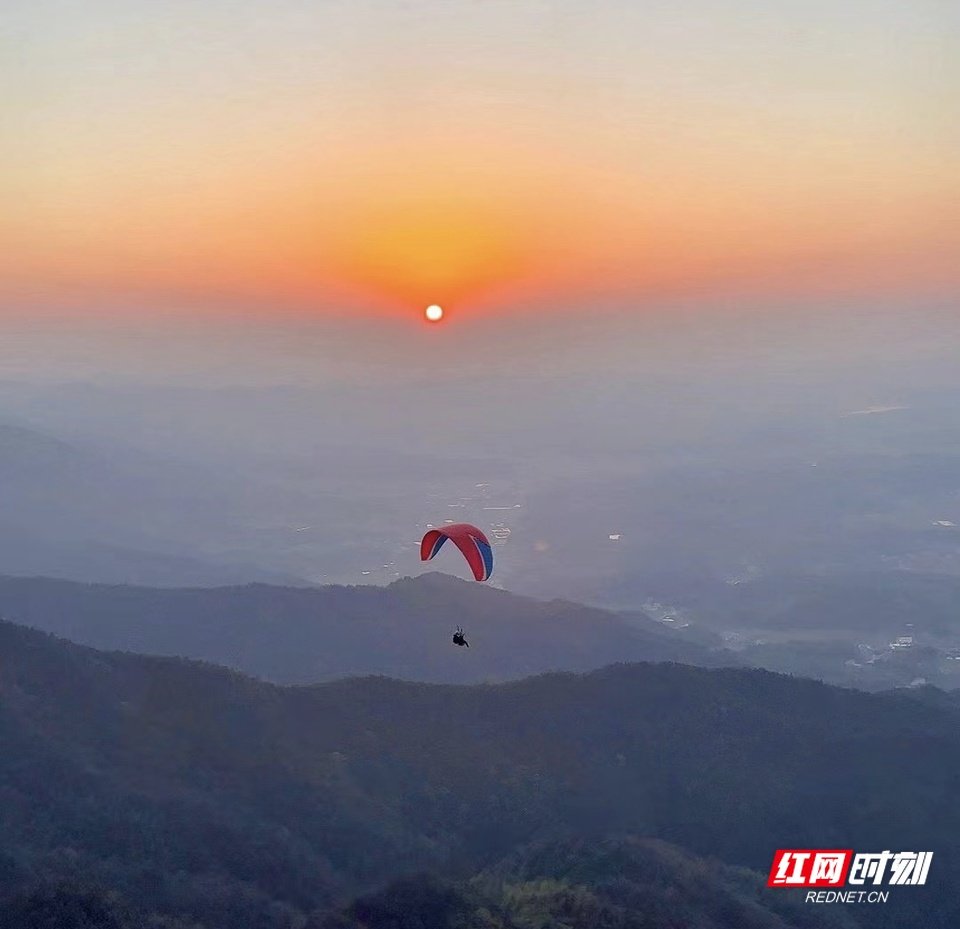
(469, 539)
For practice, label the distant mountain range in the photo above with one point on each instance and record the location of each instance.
(208, 799)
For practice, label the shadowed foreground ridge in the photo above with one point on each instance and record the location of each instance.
(616, 883)
(191, 791)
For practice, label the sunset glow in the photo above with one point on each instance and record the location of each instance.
(318, 162)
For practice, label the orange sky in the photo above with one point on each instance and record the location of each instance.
(368, 158)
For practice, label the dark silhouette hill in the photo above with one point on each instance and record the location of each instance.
(297, 635)
(302, 635)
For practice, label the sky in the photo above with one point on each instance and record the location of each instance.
(699, 263)
(359, 160)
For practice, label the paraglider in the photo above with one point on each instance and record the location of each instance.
(458, 638)
(469, 539)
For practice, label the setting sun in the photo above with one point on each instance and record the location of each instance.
(433, 313)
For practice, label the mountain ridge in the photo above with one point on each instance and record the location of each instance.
(308, 634)
(120, 766)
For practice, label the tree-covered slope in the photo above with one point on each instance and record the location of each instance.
(193, 791)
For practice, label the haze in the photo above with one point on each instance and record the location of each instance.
(698, 271)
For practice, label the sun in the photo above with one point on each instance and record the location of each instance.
(434, 313)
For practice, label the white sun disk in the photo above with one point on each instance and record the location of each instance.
(434, 313)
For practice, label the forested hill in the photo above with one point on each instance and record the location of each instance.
(190, 789)
(298, 635)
